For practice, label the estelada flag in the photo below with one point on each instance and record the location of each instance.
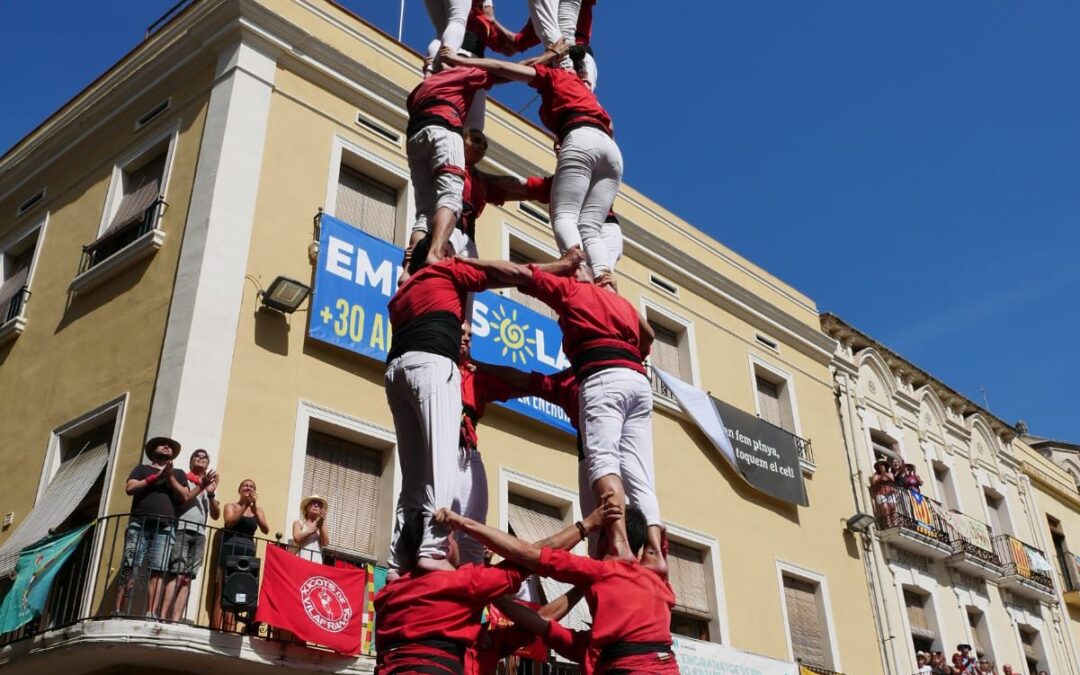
(317, 603)
(506, 637)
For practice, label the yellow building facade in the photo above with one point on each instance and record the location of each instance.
(138, 317)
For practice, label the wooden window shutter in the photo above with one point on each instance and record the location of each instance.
(917, 615)
(532, 521)
(804, 621)
(665, 352)
(686, 574)
(348, 475)
(366, 204)
(976, 643)
(769, 401)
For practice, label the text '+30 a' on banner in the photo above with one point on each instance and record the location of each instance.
(355, 277)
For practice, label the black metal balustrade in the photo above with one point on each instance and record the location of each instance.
(1018, 560)
(913, 511)
(12, 307)
(104, 248)
(95, 583)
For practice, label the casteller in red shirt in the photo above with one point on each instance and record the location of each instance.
(444, 98)
(630, 604)
(426, 313)
(427, 616)
(477, 390)
(600, 328)
(566, 102)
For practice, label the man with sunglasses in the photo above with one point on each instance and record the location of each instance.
(188, 552)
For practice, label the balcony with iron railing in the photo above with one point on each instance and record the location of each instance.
(912, 521)
(106, 247)
(1025, 569)
(12, 321)
(103, 612)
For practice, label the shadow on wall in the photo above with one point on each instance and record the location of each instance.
(81, 304)
(272, 330)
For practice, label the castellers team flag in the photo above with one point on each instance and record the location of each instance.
(317, 603)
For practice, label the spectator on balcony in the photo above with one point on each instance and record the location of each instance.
(883, 491)
(309, 534)
(986, 666)
(156, 490)
(938, 665)
(922, 659)
(1007, 669)
(189, 549)
(242, 518)
(964, 661)
(911, 478)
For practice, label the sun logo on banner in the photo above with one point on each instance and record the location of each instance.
(512, 336)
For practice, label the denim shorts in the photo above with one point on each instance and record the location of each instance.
(149, 539)
(187, 553)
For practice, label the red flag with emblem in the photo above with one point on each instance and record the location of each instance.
(317, 603)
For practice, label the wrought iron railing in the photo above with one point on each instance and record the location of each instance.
(913, 511)
(968, 547)
(104, 248)
(12, 307)
(1022, 560)
(109, 576)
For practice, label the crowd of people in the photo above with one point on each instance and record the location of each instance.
(964, 662)
(165, 540)
(428, 616)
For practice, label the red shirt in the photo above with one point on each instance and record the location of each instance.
(478, 193)
(589, 317)
(561, 389)
(445, 97)
(628, 602)
(566, 100)
(442, 605)
(477, 390)
(436, 288)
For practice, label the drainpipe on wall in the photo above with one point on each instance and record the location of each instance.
(882, 626)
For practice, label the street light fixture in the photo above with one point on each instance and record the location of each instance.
(285, 295)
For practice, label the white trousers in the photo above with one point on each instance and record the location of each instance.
(616, 415)
(472, 502)
(424, 393)
(449, 18)
(587, 178)
(429, 150)
(554, 19)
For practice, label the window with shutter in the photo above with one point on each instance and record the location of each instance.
(16, 278)
(686, 574)
(517, 296)
(141, 188)
(366, 204)
(918, 617)
(975, 621)
(769, 401)
(665, 352)
(348, 475)
(805, 622)
(532, 521)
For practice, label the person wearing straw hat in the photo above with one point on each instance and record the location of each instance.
(309, 534)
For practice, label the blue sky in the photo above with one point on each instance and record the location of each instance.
(912, 166)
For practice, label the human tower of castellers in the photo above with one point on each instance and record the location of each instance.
(428, 616)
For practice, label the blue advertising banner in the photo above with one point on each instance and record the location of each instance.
(355, 279)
